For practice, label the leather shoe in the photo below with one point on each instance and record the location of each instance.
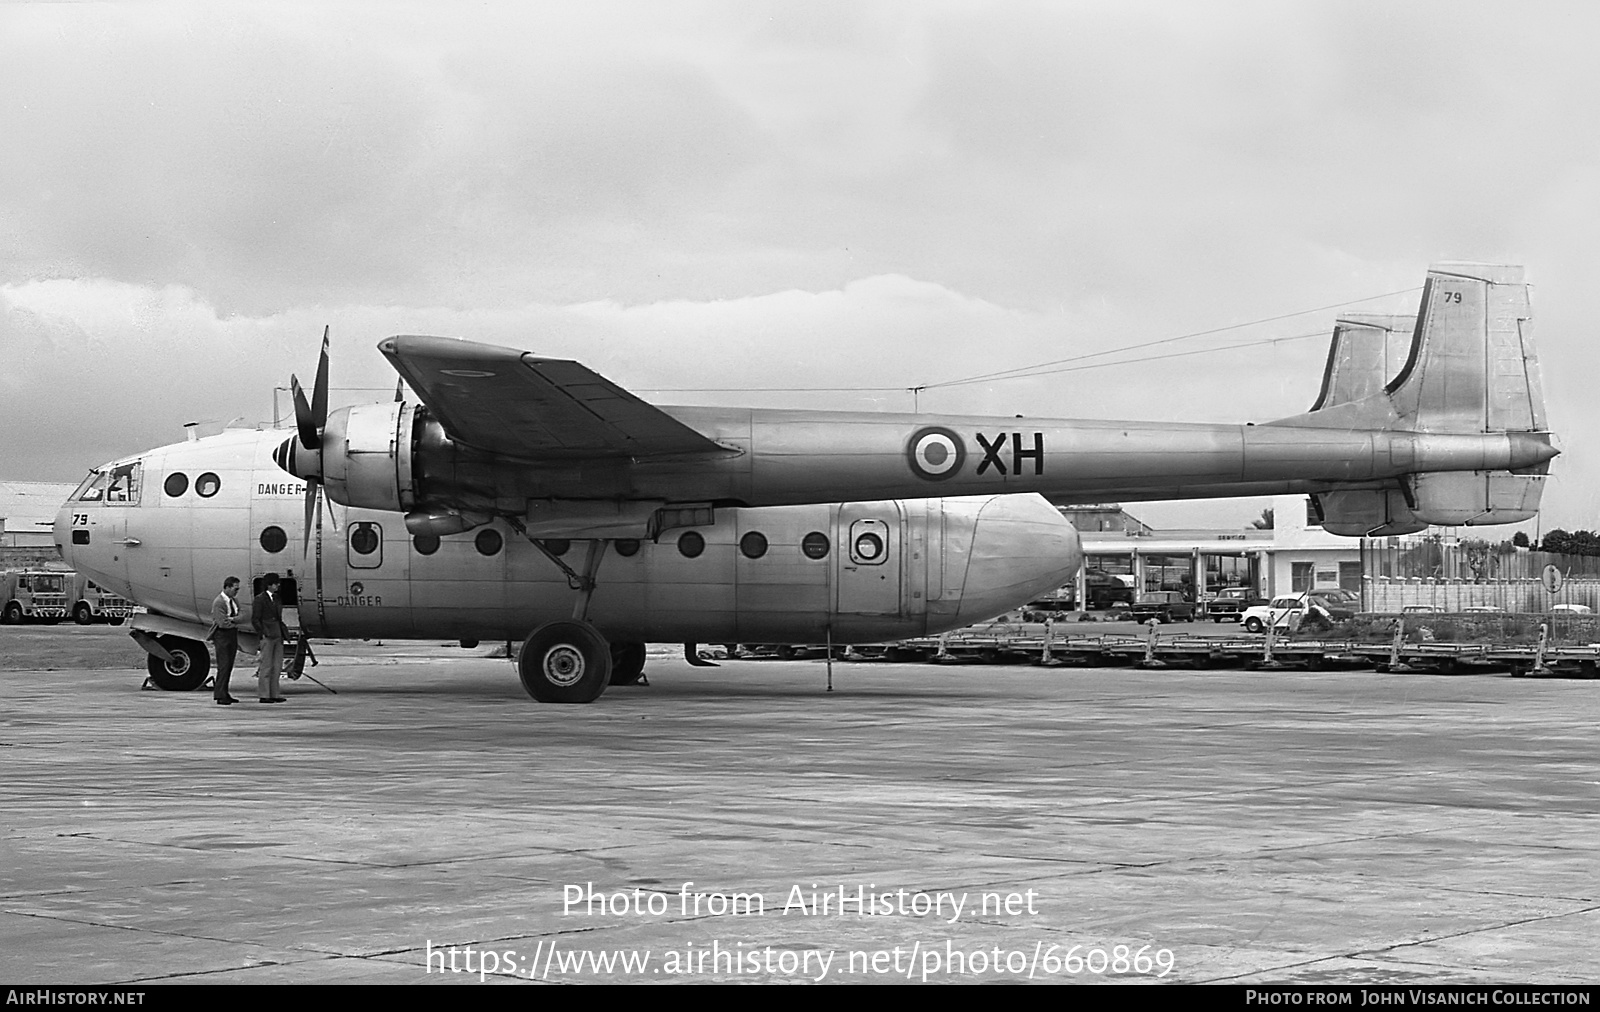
(263, 700)
(226, 702)
(232, 700)
(278, 699)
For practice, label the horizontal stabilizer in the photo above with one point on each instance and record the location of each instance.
(1476, 498)
(1364, 513)
(1445, 498)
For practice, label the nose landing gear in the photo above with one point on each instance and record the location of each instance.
(187, 669)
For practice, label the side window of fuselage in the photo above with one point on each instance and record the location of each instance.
(366, 545)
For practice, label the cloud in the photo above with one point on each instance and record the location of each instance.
(740, 194)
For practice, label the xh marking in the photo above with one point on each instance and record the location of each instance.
(993, 450)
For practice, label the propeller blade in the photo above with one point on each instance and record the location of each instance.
(311, 504)
(310, 432)
(319, 393)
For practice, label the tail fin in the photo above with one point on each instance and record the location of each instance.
(1366, 352)
(1472, 366)
(1471, 369)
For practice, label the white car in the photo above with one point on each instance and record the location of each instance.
(1281, 611)
(1572, 609)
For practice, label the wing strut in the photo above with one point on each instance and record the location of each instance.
(584, 582)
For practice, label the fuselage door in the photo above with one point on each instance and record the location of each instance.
(870, 559)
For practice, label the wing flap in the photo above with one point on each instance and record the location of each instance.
(517, 404)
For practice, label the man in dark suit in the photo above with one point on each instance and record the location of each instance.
(225, 636)
(267, 615)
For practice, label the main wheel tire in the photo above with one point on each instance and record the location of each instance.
(565, 662)
(187, 671)
(627, 663)
(81, 613)
(1253, 624)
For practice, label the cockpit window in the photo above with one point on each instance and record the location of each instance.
(118, 485)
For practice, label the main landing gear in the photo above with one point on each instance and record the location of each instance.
(627, 664)
(569, 661)
(565, 662)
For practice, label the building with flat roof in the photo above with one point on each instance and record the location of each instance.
(1294, 554)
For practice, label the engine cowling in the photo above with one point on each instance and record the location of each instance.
(367, 456)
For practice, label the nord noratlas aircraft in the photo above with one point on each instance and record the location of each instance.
(529, 498)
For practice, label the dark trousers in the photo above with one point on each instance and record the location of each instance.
(227, 650)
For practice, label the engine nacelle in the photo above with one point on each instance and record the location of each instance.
(395, 457)
(366, 456)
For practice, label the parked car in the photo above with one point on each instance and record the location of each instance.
(1161, 605)
(1573, 609)
(1231, 603)
(1316, 608)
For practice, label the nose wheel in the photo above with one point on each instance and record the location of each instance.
(565, 662)
(187, 669)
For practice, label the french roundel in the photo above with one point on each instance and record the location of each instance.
(935, 453)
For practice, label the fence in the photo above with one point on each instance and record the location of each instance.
(1452, 576)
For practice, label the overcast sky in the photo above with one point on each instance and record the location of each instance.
(778, 195)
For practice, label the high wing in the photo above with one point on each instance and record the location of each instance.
(517, 404)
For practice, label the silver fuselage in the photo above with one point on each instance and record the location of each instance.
(943, 562)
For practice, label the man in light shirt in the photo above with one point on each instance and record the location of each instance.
(225, 636)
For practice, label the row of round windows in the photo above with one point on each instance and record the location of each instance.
(205, 486)
(364, 541)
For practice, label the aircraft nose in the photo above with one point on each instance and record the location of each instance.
(1022, 547)
(61, 532)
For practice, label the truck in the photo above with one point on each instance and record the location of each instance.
(91, 602)
(33, 595)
